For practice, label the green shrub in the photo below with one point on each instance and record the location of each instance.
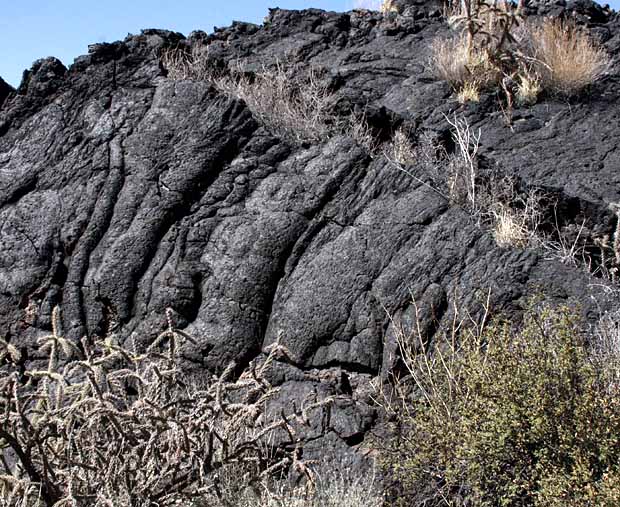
(508, 417)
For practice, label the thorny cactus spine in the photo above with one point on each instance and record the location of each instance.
(107, 425)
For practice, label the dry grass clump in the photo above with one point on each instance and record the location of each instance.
(356, 127)
(455, 61)
(187, 64)
(336, 489)
(383, 6)
(401, 150)
(472, 61)
(469, 92)
(294, 105)
(528, 89)
(511, 228)
(605, 348)
(567, 59)
(101, 425)
(515, 220)
(298, 110)
(295, 108)
(495, 47)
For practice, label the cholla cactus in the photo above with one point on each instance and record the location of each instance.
(104, 425)
(487, 24)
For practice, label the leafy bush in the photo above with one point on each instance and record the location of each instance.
(506, 416)
(103, 425)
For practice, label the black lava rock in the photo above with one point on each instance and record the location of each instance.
(123, 193)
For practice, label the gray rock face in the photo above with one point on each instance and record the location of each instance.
(5, 90)
(123, 192)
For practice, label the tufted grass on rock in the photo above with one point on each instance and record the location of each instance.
(605, 347)
(189, 64)
(497, 49)
(567, 59)
(507, 415)
(461, 65)
(528, 88)
(336, 488)
(298, 109)
(401, 149)
(294, 108)
(510, 228)
(515, 221)
(383, 6)
(469, 92)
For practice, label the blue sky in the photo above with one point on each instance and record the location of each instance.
(32, 29)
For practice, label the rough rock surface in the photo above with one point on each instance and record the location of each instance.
(123, 192)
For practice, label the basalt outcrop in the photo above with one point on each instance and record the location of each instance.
(124, 192)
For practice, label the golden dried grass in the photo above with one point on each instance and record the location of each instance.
(528, 89)
(454, 61)
(567, 59)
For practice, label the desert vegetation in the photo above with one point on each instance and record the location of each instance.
(384, 6)
(337, 488)
(467, 70)
(100, 424)
(299, 110)
(489, 412)
(496, 48)
(294, 105)
(483, 412)
(513, 217)
(564, 57)
(188, 64)
(499, 413)
(516, 216)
